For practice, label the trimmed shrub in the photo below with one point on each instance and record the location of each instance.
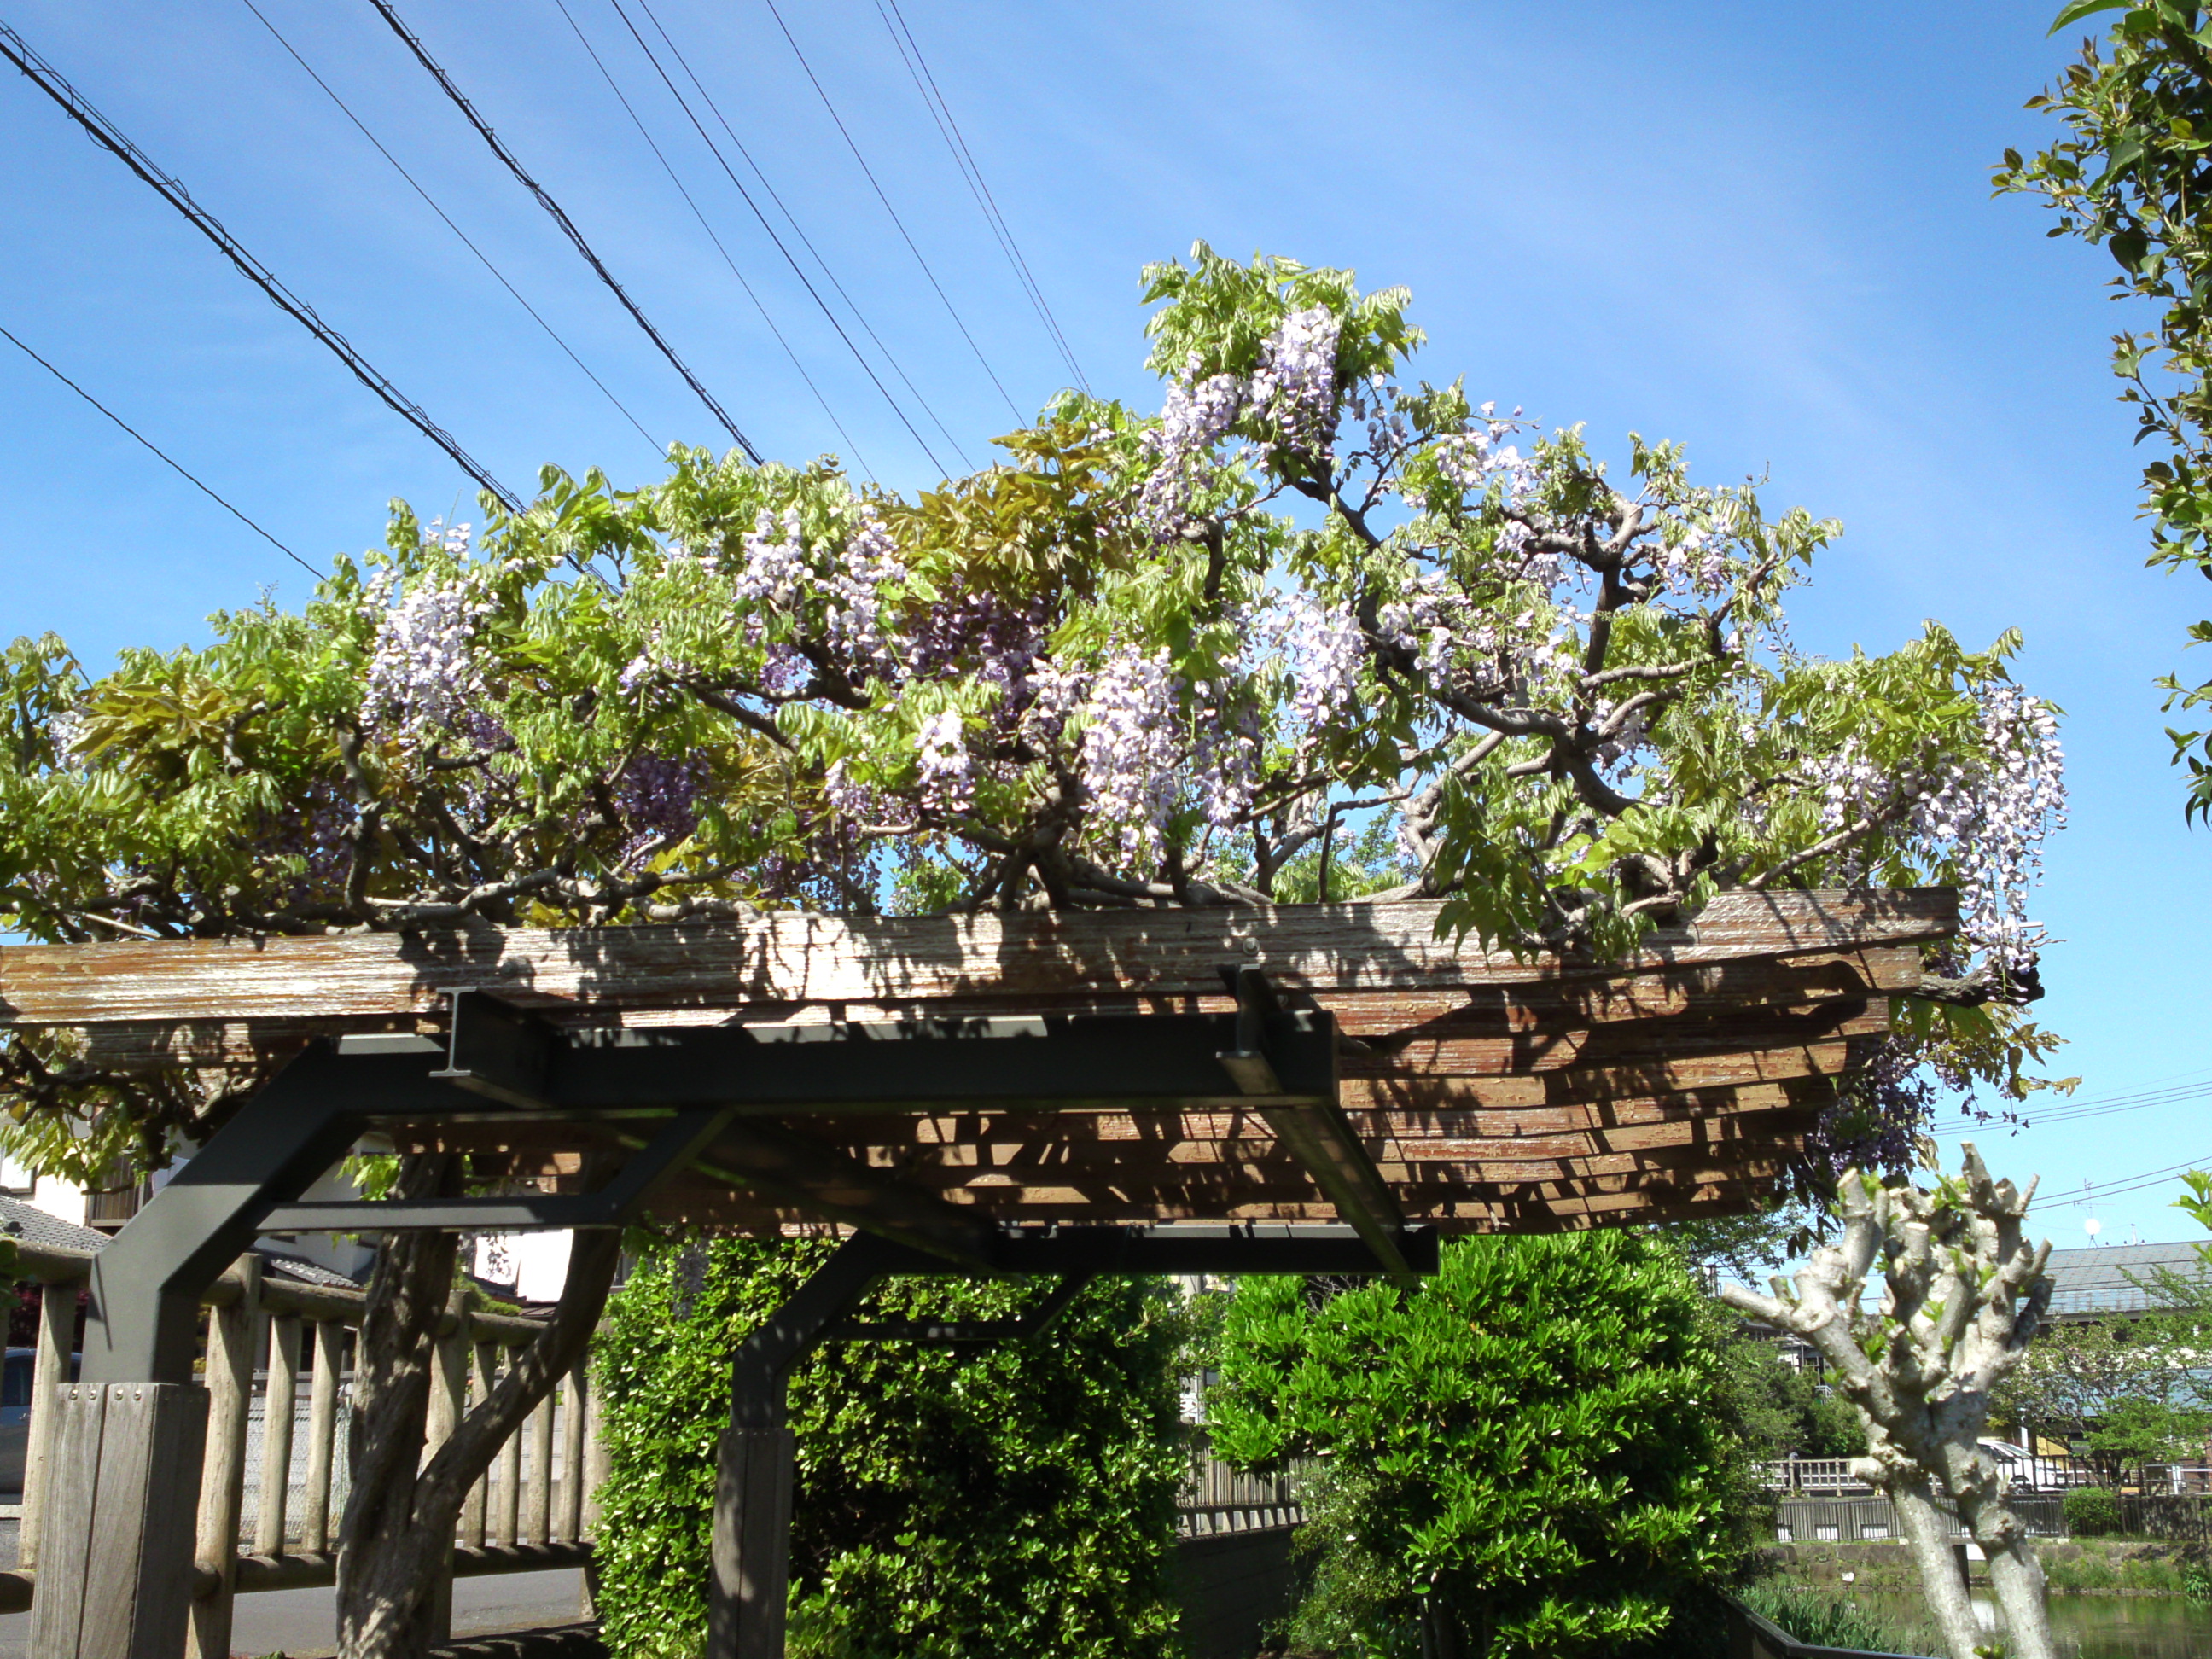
(2092, 1512)
(1525, 1454)
(949, 1504)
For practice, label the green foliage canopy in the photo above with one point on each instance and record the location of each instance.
(1144, 660)
(2130, 176)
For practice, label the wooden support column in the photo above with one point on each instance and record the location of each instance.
(750, 1559)
(751, 1550)
(280, 1402)
(115, 1573)
(576, 1388)
(449, 1380)
(482, 1375)
(537, 1506)
(231, 1347)
(322, 1435)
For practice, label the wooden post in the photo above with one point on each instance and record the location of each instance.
(751, 1557)
(322, 1435)
(595, 1478)
(278, 1404)
(508, 1522)
(449, 1379)
(479, 1504)
(117, 1580)
(230, 1354)
(49, 1377)
(572, 1452)
(538, 1511)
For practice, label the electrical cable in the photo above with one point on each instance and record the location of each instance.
(174, 464)
(957, 142)
(684, 103)
(614, 86)
(869, 173)
(561, 218)
(482, 257)
(106, 134)
(2099, 1192)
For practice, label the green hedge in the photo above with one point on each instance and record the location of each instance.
(2092, 1512)
(949, 1504)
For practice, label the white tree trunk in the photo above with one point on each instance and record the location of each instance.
(1964, 1293)
(1930, 1539)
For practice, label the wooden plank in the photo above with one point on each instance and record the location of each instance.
(138, 1581)
(835, 1185)
(49, 1376)
(791, 957)
(1396, 1161)
(1645, 1043)
(73, 1517)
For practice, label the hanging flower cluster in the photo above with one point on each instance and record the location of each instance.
(423, 671)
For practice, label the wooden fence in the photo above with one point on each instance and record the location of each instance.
(532, 1509)
(1217, 1498)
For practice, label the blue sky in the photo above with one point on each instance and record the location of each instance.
(1765, 232)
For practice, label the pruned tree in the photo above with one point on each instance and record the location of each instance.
(1963, 1293)
(1146, 661)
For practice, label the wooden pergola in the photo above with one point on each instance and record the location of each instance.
(1318, 1088)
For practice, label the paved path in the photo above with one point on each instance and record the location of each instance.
(299, 1624)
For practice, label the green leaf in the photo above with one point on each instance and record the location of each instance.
(2081, 8)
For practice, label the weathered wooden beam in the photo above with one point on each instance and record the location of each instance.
(821, 1181)
(791, 957)
(1396, 1159)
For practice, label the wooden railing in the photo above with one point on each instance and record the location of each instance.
(1811, 1474)
(266, 1339)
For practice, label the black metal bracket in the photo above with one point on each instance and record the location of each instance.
(1314, 1131)
(1248, 1062)
(497, 1050)
(613, 1206)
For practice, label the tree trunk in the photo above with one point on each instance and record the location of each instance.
(1930, 1542)
(2015, 1578)
(1439, 1628)
(397, 1531)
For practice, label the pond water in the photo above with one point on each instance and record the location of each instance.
(2096, 1626)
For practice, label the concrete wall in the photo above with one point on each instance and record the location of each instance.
(1231, 1585)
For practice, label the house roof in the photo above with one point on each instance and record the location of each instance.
(37, 1226)
(2112, 1279)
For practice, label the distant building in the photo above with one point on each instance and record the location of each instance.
(2098, 1283)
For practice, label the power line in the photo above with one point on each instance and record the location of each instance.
(2097, 1193)
(110, 137)
(568, 226)
(798, 229)
(173, 463)
(614, 86)
(684, 103)
(482, 259)
(957, 142)
(870, 174)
